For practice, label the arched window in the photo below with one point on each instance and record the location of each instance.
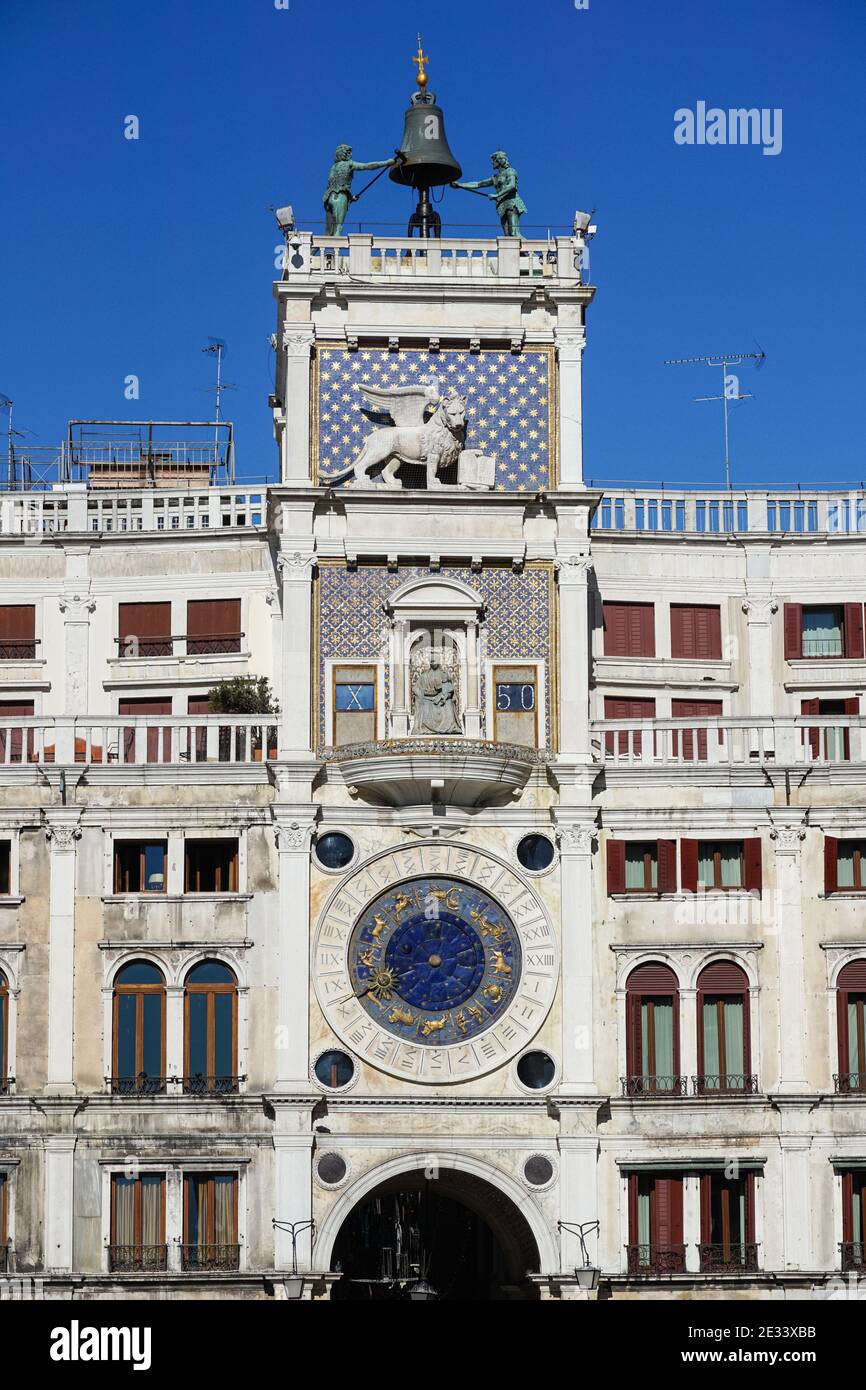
(138, 1063)
(4, 1034)
(724, 1052)
(850, 1006)
(653, 1037)
(210, 1029)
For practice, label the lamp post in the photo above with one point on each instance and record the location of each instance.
(294, 1283)
(587, 1274)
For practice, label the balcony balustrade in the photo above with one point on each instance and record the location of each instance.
(137, 1259)
(749, 741)
(735, 1257)
(853, 1256)
(197, 1085)
(655, 1260)
(731, 1084)
(654, 1087)
(129, 740)
(849, 1083)
(209, 1257)
(705, 512)
(448, 258)
(214, 643)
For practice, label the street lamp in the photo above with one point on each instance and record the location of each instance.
(294, 1282)
(587, 1274)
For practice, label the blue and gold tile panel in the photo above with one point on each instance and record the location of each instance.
(509, 405)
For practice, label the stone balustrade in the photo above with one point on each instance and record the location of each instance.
(129, 740)
(452, 258)
(734, 742)
(647, 511)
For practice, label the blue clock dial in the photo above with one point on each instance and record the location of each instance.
(435, 960)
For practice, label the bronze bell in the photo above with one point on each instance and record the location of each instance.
(428, 160)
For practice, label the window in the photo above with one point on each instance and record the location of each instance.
(354, 704)
(210, 1030)
(536, 1070)
(5, 868)
(17, 631)
(727, 1224)
(210, 866)
(720, 866)
(140, 866)
(723, 1031)
(16, 744)
(844, 865)
(138, 1065)
(213, 625)
(535, 852)
(334, 850)
(652, 1037)
(823, 630)
(655, 1218)
(696, 632)
(854, 1220)
(641, 866)
(334, 1069)
(137, 1223)
(4, 1222)
(629, 629)
(515, 711)
(627, 742)
(850, 1006)
(210, 1221)
(144, 629)
(4, 1034)
(830, 743)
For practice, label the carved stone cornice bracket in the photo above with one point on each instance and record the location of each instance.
(76, 607)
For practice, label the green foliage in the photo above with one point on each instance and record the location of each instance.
(243, 695)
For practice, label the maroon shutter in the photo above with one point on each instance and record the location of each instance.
(689, 866)
(616, 708)
(615, 866)
(213, 625)
(17, 709)
(695, 709)
(668, 1212)
(648, 644)
(709, 633)
(706, 1198)
(813, 735)
(696, 631)
(667, 857)
(629, 629)
(615, 640)
(853, 629)
(149, 623)
(634, 1061)
(793, 631)
(831, 859)
(679, 634)
(752, 864)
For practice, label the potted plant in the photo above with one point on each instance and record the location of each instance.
(244, 695)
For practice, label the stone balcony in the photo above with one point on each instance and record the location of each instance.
(450, 771)
(751, 741)
(130, 741)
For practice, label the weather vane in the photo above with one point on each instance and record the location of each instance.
(420, 59)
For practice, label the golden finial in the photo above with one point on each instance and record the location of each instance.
(421, 58)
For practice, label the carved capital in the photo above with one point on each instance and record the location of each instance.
(576, 839)
(573, 569)
(295, 565)
(787, 838)
(76, 606)
(569, 346)
(759, 610)
(298, 342)
(62, 835)
(294, 835)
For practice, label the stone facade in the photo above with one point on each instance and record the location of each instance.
(342, 594)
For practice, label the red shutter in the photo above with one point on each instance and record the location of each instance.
(853, 629)
(853, 977)
(679, 635)
(213, 625)
(831, 859)
(813, 735)
(708, 631)
(667, 857)
(852, 704)
(616, 708)
(149, 623)
(615, 866)
(629, 629)
(706, 1197)
(668, 1212)
(842, 1026)
(17, 631)
(633, 1065)
(793, 631)
(689, 866)
(695, 709)
(847, 1202)
(696, 631)
(752, 864)
(648, 646)
(142, 707)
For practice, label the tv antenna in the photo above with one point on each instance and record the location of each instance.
(216, 347)
(730, 384)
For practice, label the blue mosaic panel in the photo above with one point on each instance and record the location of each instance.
(435, 961)
(352, 626)
(508, 412)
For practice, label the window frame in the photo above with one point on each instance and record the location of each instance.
(706, 991)
(137, 1206)
(646, 622)
(714, 628)
(5, 1001)
(188, 1178)
(717, 886)
(639, 991)
(211, 990)
(118, 846)
(139, 991)
(192, 845)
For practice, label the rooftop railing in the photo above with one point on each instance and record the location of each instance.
(37, 514)
(452, 258)
(661, 511)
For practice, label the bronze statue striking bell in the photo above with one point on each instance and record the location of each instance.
(428, 160)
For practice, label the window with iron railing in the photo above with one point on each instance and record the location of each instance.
(137, 1243)
(210, 1222)
(17, 631)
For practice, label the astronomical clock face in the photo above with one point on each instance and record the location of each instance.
(435, 975)
(434, 960)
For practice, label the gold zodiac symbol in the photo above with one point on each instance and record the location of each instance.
(460, 1020)
(401, 902)
(379, 926)
(496, 930)
(433, 1025)
(493, 991)
(401, 1016)
(368, 957)
(500, 964)
(450, 897)
(476, 1013)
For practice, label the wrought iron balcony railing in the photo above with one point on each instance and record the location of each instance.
(731, 1084)
(6, 1084)
(6, 1258)
(200, 1085)
(132, 646)
(207, 1257)
(18, 648)
(654, 1087)
(654, 1260)
(141, 1085)
(731, 1258)
(137, 1259)
(853, 1255)
(848, 1083)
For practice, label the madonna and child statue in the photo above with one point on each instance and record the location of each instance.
(435, 701)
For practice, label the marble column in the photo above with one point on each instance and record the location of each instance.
(59, 1160)
(576, 839)
(759, 620)
(296, 571)
(574, 656)
(298, 340)
(76, 607)
(570, 344)
(62, 830)
(788, 835)
(294, 826)
(578, 1198)
(293, 1195)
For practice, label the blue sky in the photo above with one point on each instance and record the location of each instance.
(122, 256)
